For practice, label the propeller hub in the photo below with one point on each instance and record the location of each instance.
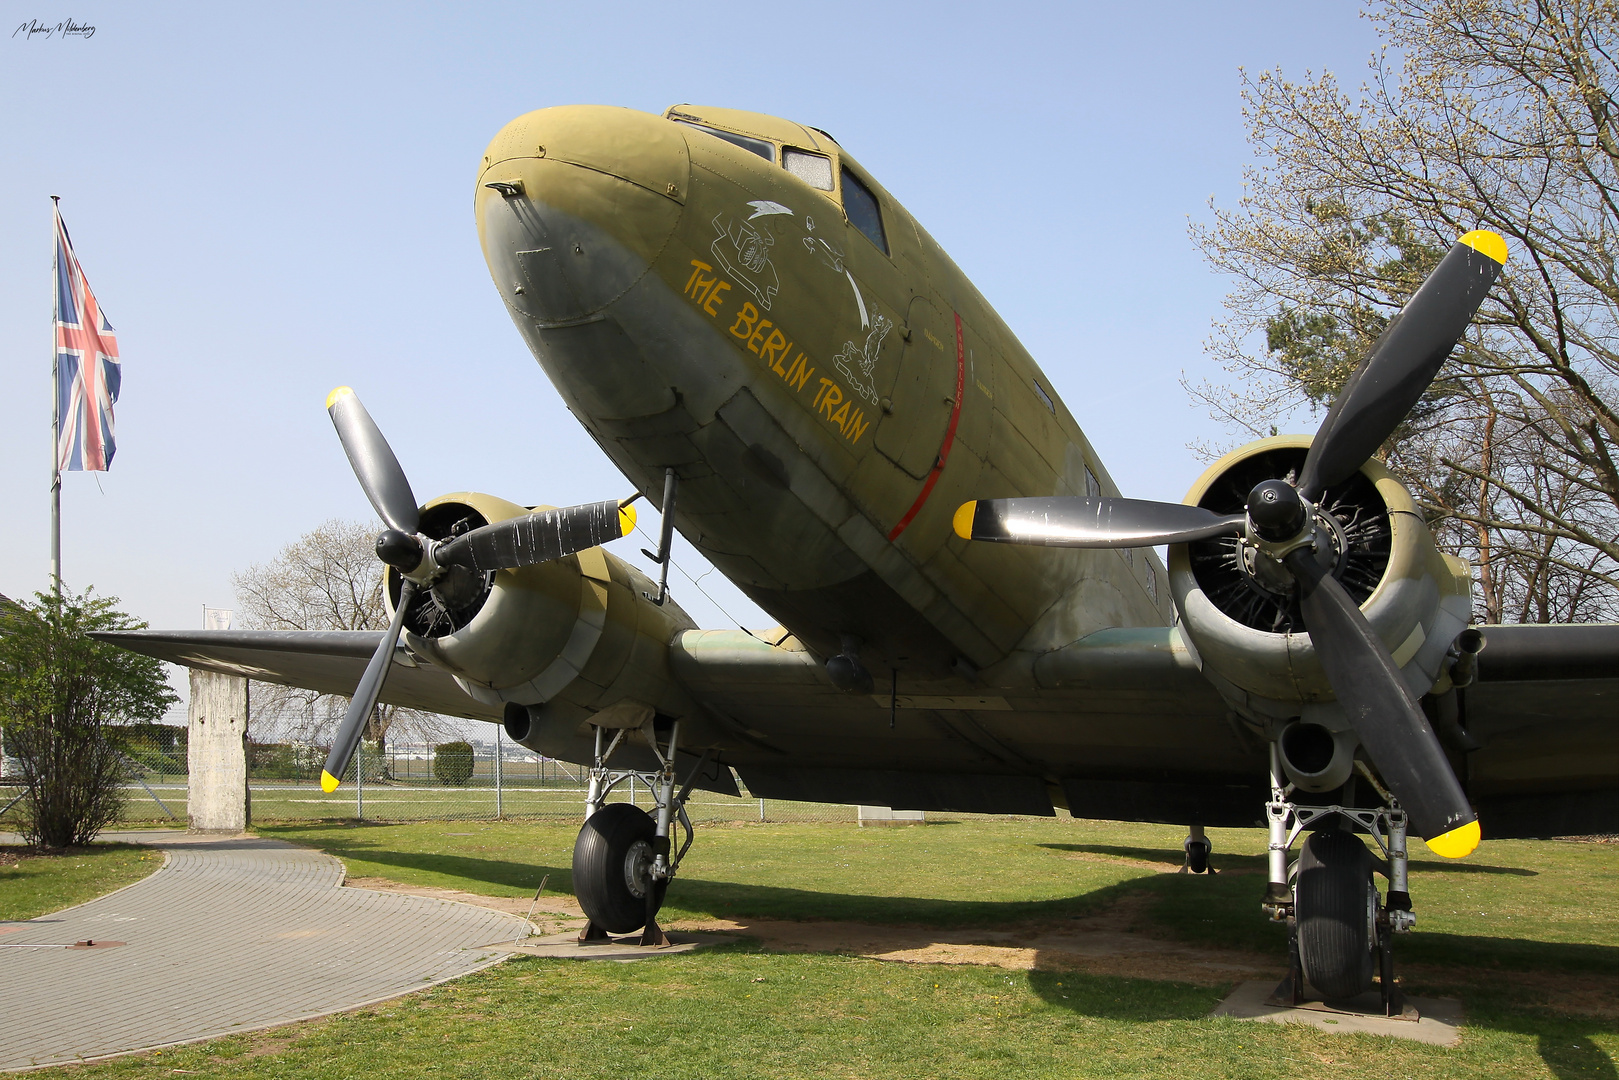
(1277, 512)
(399, 550)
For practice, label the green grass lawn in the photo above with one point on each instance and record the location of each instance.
(742, 1013)
(32, 885)
(1498, 930)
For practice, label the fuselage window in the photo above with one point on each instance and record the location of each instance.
(861, 206)
(755, 146)
(814, 169)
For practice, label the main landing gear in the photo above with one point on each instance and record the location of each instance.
(624, 858)
(1340, 931)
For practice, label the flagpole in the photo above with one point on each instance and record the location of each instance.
(56, 419)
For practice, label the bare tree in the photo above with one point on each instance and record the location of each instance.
(1496, 114)
(327, 579)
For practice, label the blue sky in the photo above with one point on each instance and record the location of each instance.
(272, 200)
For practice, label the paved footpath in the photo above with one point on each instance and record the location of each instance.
(230, 935)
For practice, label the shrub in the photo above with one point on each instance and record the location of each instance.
(452, 763)
(60, 691)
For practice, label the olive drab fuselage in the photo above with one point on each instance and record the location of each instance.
(828, 394)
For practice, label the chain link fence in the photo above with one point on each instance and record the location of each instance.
(457, 780)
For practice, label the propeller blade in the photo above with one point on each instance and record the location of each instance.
(538, 537)
(1086, 522)
(365, 695)
(1403, 362)
(373, 461)
(1380, 707)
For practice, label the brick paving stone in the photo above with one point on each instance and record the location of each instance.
(230, 935)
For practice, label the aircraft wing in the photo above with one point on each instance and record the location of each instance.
(1545, 709)
(1123, 721)
(330, 661)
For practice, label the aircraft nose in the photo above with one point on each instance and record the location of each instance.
(574, 203)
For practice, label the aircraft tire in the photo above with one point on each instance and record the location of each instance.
(1197, 857)
(614, 848)
(1335, 902)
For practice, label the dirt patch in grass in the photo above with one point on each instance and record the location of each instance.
(1111, 942)
(275, 1041)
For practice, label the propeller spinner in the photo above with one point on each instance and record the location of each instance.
(503, 545)
(1284, 524)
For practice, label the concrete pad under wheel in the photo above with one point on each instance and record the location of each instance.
(567, 946)
(1436, 1021)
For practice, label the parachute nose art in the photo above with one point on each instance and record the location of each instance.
(573, 205)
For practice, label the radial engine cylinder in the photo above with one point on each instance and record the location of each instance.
(1241, 609)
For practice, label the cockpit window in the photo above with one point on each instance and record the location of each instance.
(861, 206)
(814, 169)
(756, 146)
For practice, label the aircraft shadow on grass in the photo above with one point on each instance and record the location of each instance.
(1175, 856)
(1572, 1055)
(1566, 1048)
(1565, 1043)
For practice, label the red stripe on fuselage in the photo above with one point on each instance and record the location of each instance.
(949, 435)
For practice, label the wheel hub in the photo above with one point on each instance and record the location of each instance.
(638, 868)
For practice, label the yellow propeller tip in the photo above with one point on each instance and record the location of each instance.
(626, 520)
(328, 782)
(1460, 841)
(963, 521)
(340, 392)
(1488, 243)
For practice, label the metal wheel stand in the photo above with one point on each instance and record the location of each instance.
(1387, 827)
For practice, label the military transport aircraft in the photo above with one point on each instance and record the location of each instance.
(776, 355)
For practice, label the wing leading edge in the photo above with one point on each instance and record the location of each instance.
(328, 661)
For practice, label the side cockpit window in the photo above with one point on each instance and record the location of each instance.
(756, 146)
(861, 207)
(814, 169)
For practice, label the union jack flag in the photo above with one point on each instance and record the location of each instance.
(87, 369)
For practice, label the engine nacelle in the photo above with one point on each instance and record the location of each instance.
(576, 634)
(1247, 629)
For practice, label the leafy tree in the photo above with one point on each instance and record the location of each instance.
(60, 693)
(1496, 114)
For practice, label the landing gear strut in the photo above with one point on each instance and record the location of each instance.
(1339, 928)
(624, 857)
